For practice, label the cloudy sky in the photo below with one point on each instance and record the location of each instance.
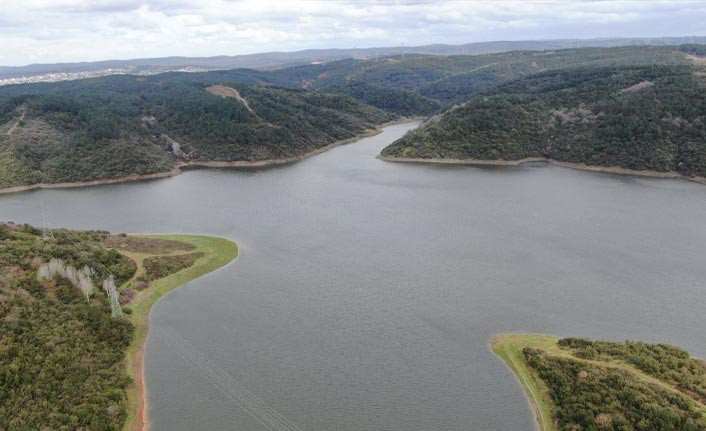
(48, 31)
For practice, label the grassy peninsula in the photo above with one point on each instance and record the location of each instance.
(579, 384)
(208, 254)
(71, 355)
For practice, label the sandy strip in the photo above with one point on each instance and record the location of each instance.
(175, 171)
(143, 423)
(580, 166)
(178, 168)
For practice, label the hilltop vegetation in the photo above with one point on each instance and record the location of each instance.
(446, 80)
(62, 353)
(121, 125)
(116, 126)
(635, 117)
(599, 385)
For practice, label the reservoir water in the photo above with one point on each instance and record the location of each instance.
(366, 292)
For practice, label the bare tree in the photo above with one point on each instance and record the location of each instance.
(84, 282)
(112, 292)
(43, 272)
(71, 274)
(80, 279)
(51, 269)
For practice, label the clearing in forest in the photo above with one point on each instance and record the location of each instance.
(223, 91)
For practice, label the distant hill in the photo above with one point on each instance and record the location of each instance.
(271, 60)
(445, 80)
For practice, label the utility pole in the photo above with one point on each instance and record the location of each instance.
(46, 234)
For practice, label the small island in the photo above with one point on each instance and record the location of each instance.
(580, 384)
(75, 315)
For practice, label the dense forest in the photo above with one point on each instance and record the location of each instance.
(115, 126)
(63, 336)
(122, 125)
(61, 355)
(636, 117)
(598, 395)
(668, 363)
(445, 80)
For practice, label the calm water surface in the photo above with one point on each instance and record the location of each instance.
(366, 292)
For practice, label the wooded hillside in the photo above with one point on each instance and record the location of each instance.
(123, 125)
(117, 126)
(635, 117)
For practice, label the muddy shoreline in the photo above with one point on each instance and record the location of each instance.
(579, 166)
(178, 168)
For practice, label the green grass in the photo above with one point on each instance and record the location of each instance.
(509, 348)
(217, 253)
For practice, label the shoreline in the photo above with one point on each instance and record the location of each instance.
(217, 253)
(570, 165)
(508, 347)
(180, 166)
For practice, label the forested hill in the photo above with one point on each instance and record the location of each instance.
(635, 117)
(124, 125)
(445, 80)
(425, 84)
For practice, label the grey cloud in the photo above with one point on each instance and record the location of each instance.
(139, 28)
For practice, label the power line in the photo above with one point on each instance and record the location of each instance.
(258, 409)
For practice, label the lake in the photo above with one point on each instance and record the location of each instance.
(366, 292)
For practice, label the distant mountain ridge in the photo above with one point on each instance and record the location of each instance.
(270, 60)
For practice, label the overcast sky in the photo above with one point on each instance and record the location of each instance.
(49, 31)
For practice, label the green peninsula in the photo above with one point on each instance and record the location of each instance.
(580, 384)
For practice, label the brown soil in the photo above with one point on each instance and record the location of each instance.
(699, 61)
(175, 171)
(637, 87)
(142, 423)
